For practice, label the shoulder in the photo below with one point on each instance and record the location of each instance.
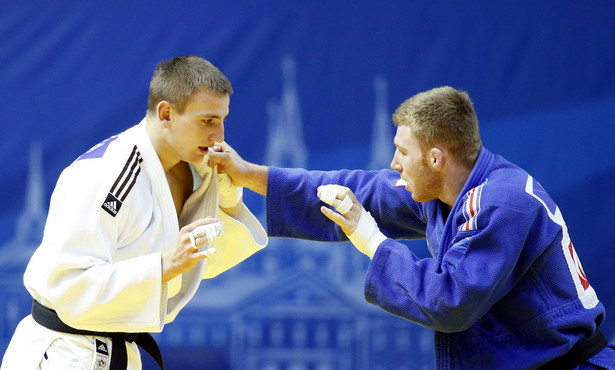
(510, 186)
(517, 189)
(508, 193)
(106, 173)
(109, 155)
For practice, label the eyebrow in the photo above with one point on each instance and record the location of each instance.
(205, 115)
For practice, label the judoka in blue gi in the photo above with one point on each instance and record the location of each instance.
(504, 288)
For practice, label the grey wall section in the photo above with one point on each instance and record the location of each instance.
(324, 76)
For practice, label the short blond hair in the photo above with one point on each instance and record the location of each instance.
(177, 79)
(443, 116)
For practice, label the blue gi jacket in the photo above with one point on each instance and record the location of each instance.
(504, 289)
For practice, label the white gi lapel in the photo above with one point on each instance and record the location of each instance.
(201, 203)
(204, 200)
(242, 236)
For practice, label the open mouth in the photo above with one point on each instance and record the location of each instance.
(204, 149)
(401, 182)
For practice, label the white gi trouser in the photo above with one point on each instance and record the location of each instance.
(48, 349)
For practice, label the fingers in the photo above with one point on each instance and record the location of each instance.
(206, 253)
(328, 194)
(203, 234)
(217, 157)
(345, 205)
(336, 196)
(333, 216)
(221, 147)
(220, 152)
(347, 226)
(186, 253)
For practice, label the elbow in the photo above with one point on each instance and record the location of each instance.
(448, 325)
(453, 319)
(445, 321)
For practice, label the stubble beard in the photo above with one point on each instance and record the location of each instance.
(427, 184)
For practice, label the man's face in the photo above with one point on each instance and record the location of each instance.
(424, 182)
(199, 126)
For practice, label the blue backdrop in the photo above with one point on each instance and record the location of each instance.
(305, 74)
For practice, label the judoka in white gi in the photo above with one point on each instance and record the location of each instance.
(134, 224)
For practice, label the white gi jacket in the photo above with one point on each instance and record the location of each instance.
(99, 265)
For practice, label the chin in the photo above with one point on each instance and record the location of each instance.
(198, 159)
(421, 198)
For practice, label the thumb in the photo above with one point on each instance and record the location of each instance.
(347, 227)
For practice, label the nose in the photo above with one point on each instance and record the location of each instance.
(218, 135)
(395, 165)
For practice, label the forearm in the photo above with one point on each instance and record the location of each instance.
(293, 206)
(169, 269)
(255, 178)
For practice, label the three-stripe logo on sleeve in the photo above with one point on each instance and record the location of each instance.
(124, 183)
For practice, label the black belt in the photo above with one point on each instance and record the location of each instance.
(119, 360)
(580, 353)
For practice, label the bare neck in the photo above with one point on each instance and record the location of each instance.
(455, 179)
(155, 130)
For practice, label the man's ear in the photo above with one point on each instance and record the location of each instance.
(436, 157)
(164, 111)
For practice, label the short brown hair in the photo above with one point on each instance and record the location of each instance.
(176, 79)
(443, 116)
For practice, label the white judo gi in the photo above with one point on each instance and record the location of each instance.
(99, 264)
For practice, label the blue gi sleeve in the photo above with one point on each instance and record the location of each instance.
(451, 292)
(293, 208)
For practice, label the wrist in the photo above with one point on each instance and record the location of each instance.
(367, 236)
(169, 271)
(257, 178)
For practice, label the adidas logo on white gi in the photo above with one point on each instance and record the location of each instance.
(102, 355)
(101, 347)
(112, 205)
